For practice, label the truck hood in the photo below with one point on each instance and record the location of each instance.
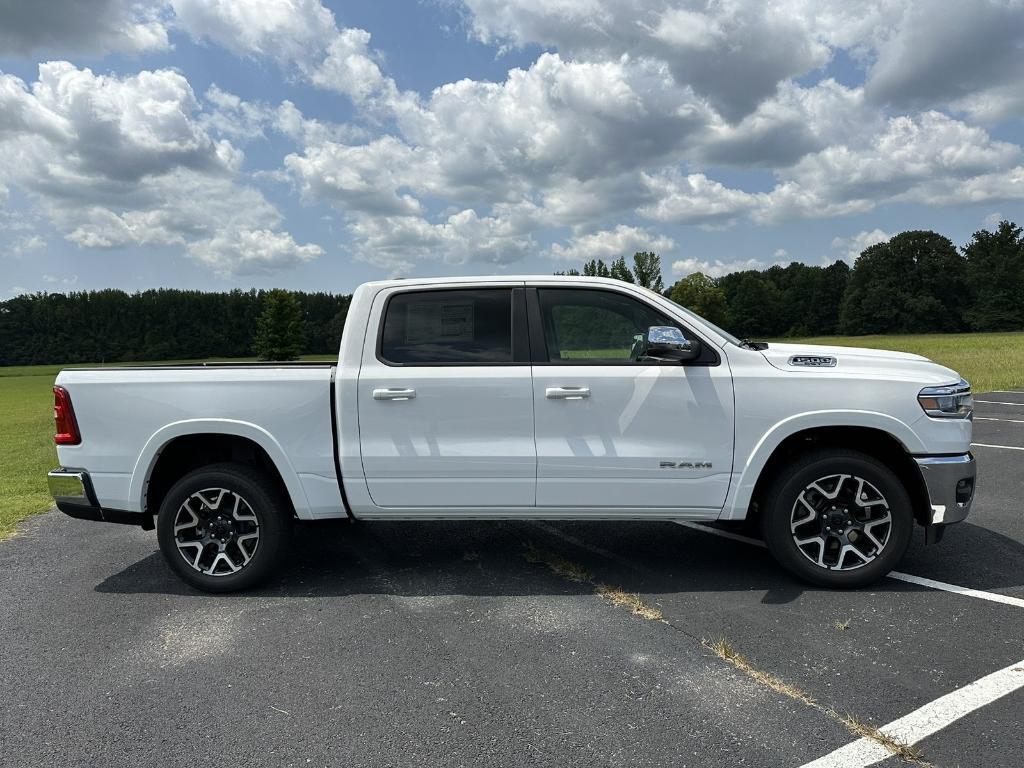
(858, 360)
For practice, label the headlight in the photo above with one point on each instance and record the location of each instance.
(953, 401)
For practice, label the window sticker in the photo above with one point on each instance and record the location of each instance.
(435, 321)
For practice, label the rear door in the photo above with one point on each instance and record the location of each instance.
(446, 402)
(616, 433)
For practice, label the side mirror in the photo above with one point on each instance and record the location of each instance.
(667, 343)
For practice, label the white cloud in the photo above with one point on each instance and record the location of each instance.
(126, 161)
(73, 26)
(696, 199)
(993, 219)
(250, 251)
(714, 267)
(609, 244)
(25, 245)
(852, 246)
(286, 31)
(719, 49)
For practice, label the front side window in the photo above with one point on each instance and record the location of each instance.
(595, 326)
(448, 327)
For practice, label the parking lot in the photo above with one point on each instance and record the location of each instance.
(522, 644)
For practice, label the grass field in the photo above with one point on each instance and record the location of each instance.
(988, 360)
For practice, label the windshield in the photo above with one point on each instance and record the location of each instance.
(725, 334)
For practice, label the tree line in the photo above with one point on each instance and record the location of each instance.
(916, 282)
(163, 324)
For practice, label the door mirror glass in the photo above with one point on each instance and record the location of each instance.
(666, 342)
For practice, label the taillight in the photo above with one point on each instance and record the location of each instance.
(64, 417)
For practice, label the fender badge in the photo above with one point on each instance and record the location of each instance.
(813, 361)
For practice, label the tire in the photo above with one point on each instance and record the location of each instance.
(849, 494)
(233, 528)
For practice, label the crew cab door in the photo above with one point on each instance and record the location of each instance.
(445, 399)
(614, 432)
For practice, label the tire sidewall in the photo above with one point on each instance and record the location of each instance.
(266, 506)
(783, 494)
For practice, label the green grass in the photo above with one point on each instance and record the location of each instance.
(26, 447)
(988, 360)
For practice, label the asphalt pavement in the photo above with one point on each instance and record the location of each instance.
(471, 643)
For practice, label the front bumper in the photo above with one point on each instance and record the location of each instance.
(950, 482)
(73, 494)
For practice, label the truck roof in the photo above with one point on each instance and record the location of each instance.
(492, 279)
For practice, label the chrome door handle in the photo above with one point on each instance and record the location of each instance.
(394, 394)
(567, 393)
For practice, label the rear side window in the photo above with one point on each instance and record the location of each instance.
(448, 327)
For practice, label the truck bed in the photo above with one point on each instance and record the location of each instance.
(127, 415)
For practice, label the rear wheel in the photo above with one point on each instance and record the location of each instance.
(223, 528)
(838, 518)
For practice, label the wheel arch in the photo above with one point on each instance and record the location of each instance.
(886, 439)
(184, 446)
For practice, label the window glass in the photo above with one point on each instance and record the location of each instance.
(467, 326)
(600, 326)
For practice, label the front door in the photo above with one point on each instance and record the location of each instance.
(614, 432)
(446, 403)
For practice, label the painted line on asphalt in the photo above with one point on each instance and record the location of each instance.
(994, 597)
(1007, 392)
(1004, 447)
(999, 402)
(990, 418)
(956, 589)
(927, 720)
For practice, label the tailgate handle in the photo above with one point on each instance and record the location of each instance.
(394, 394)
(567, 393)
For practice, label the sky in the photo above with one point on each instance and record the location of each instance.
(314, 145)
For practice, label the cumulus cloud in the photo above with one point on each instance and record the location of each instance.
(715, 267)
(851, 247)
(609, 244)
(718, 48)
(248, 251)
(120, 161)
(72, 26)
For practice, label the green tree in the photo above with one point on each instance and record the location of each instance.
(647, 270)
(755, 306)
(995, 278)
(913, 283)
(700, 294)
(279, 331)
(619, 271)
(596, 268)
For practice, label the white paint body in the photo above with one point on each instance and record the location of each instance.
(486, 442)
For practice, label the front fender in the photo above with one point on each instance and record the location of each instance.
(163, 436)
(747, 473)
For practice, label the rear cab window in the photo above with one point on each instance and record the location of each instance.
(449, 327)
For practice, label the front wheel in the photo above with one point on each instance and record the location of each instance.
(838, 518)
(223, 528)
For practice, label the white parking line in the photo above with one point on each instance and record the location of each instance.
(989, 418)
(998, 402)
(993, 597)
(929, 719)
(1005, 447)
(1008, 391)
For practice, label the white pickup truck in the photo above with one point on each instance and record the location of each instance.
(523, 398)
